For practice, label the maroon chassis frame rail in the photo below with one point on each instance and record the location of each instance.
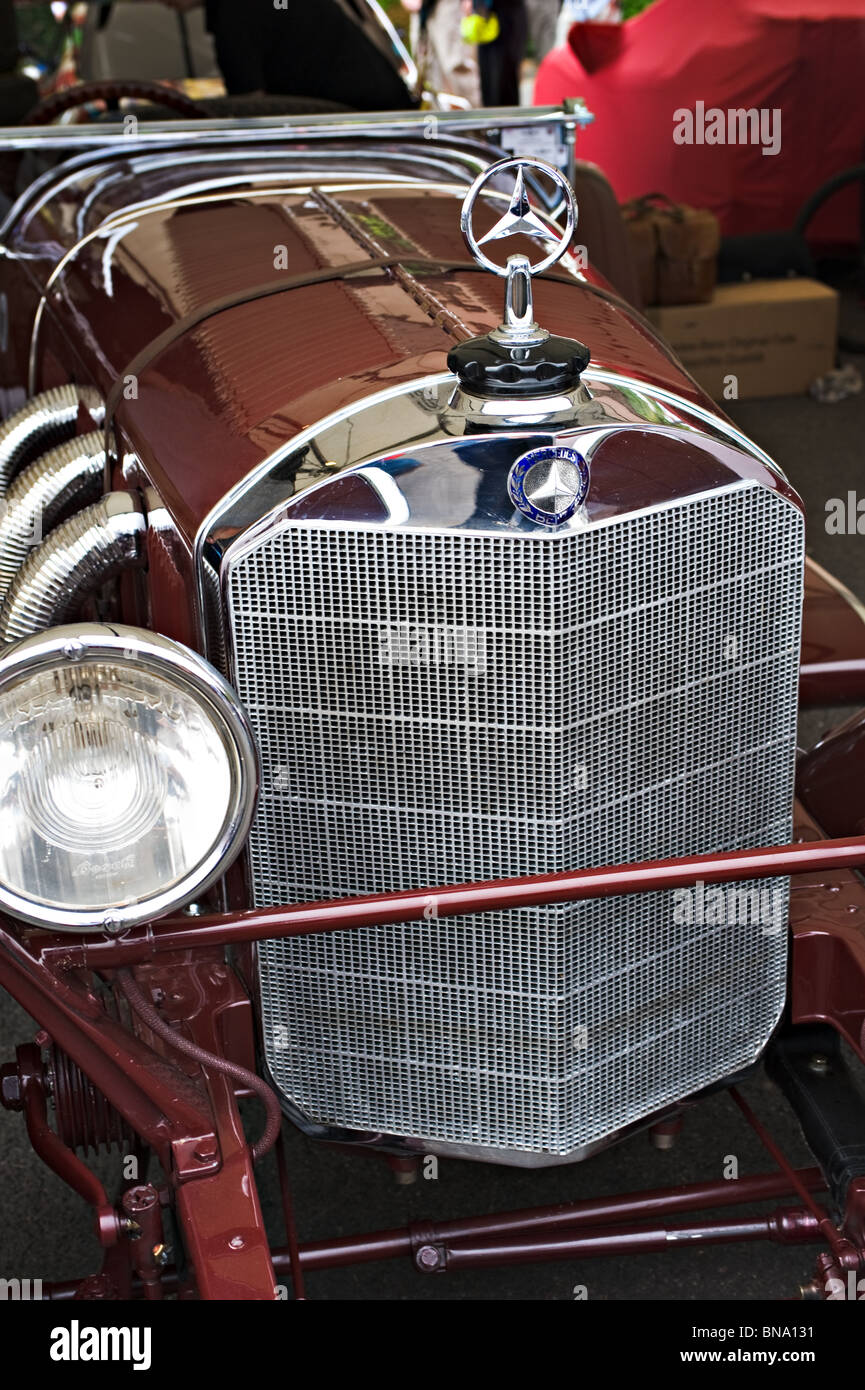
(184, 1107)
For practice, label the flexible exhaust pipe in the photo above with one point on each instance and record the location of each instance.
(65, 479)
(78, 556)
(47, 420)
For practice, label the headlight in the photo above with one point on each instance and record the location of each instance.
(128, 777)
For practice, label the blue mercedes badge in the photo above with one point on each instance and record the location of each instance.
(549, 485)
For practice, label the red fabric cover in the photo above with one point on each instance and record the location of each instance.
(595, 45)
(805, 57)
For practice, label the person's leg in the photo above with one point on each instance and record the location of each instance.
(490, 66)
(512, 41)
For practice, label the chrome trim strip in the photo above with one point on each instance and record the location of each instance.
(699, 412)
(367, 123)
(128, 220)
(262, 470)
(207, 582)
(193, 135)
(537, 535)
(242, 183)
(182, 192)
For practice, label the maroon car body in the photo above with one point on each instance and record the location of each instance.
(214, 296)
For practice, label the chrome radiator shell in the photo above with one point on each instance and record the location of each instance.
(442, 704)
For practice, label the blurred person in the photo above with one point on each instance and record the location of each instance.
(543, 22)
(585, 11)
(500, 59)
(448, 63)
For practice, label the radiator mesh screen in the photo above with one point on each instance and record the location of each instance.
(439, 707)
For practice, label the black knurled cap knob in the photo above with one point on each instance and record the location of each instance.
(494, 368)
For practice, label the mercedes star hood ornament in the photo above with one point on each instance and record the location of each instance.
(519, 358)
(519, 220)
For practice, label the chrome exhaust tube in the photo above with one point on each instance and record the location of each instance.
(68, 477)
(49, 419)
(79, 555)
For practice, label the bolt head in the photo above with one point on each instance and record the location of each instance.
(138, 1199)
(663, 1142)
(10, 1088)
(428, 1257)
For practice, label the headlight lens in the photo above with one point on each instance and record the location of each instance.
(127, 777)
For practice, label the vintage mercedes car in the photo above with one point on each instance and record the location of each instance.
(400, 659)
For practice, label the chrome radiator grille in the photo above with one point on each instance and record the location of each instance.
(438, 707)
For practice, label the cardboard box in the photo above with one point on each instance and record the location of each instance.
(774, 337)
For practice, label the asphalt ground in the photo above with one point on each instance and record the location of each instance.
(45, 1230)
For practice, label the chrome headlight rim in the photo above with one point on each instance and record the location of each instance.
(179, 666)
